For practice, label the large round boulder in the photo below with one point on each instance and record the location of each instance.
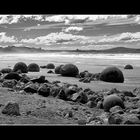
(70, 70)
(112, 74)
(33, 67)
(111, 101)
(57, 69)
(20, 66)
(13, 75)
(128, 66)
(50, 66)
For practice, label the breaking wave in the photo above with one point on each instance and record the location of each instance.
(41, 56)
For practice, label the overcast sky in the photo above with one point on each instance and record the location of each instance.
(70, 31)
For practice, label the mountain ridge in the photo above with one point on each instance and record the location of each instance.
(24, 49)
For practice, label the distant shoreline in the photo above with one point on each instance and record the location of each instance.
(24, 49)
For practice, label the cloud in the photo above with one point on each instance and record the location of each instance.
(48, 26)
(67, 19)
(54, 38)
(127, 37)
(7, 39)
(73, 29)
(10, 19)
(18, 45)
(123, 37)
(81, 18)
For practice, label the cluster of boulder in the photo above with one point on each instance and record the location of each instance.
(21, 67)
(122, 107)
(109, 74)
(87, 77)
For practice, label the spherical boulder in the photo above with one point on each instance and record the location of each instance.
(50, 66)
(6, 70)
(33, 67)
(50, 71)
(13, 75)
(112, 74)
(128, 66)
(111, 101)
(20, 66)
(69, 70)
(57, 69)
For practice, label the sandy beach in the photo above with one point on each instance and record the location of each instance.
(38, 110)
(92, 64)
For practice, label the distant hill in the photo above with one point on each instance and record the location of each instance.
(24, 49)
(112, 50)
(121, 50)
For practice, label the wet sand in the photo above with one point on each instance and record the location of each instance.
(132, 77)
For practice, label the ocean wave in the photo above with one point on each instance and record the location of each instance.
(58, 55)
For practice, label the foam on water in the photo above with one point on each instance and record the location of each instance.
(42, 56)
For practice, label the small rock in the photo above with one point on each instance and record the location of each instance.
(75, 108)
(99, 105)
(81, 79)
(86, 80)
(55, 82)
(82, 74)
(54, 91)
(69, 114)
(101, 119)
(128, 93)
(25, 79)
(81, 122)
(9, 83)
(41, 79)
(116, 109)
(131, 119)
(112, 91)
(62, 95)
(91, 104)
(123, 119)
(69, 91)
(115, 119)
(80, 97)
(31, 88)
(136, 91)
(28, 112)
(135, 111)
(44, 90)
(22, 92)
(12, 108)
(92, 97)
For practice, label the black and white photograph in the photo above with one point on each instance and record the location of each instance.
(70, 69)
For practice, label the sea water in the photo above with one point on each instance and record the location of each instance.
(102, 59)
